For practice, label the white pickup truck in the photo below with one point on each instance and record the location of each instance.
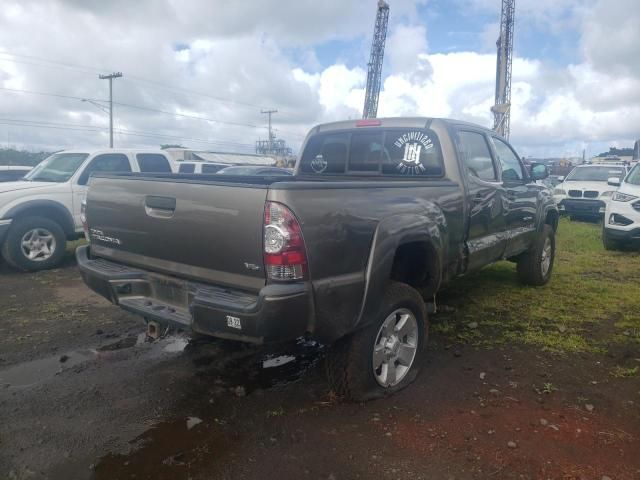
(39, 213)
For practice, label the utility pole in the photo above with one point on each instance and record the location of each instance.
(110, 77)
(270, 112)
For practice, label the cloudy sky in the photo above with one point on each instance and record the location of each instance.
(198, 72)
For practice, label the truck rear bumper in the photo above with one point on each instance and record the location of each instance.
(276, 313)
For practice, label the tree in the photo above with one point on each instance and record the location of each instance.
(10, 156)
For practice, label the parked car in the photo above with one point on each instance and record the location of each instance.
(622, 217)
(39, 213)
(200, 167)
(552, 181)
(254, 170)
(9, 173)
(585, 191)
(378, 215)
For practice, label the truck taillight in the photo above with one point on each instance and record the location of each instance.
(285, 257)
(83, 219)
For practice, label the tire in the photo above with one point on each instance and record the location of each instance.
(350, 362)
(49, 238)
(609, 243)
(536, 265)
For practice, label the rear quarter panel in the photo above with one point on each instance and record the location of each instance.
(351, 231)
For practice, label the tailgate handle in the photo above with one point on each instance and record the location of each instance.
(159, 206)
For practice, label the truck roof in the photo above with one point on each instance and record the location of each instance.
(94, 150)
(392, 122)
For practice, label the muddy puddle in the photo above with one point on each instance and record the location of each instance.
(29, 374)
(189, 445)
(262, 368)
(33, 373)
(170, 450)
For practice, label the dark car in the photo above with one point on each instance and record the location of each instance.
(378, 216)
(11, 173)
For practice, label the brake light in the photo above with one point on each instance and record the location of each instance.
(285, 256)
(83, 219)
(368, 123)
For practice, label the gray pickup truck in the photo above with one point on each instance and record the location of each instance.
(378, 216)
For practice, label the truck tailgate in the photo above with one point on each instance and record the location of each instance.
(203, 230)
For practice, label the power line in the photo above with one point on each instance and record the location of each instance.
(184, 115)
(123, 104)
(139, 107)
(46, 94)
(121, 131)
(88, 69)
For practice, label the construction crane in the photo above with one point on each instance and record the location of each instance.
(374, 75)
(502, 109)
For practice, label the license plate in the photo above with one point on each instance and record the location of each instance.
(234, 322)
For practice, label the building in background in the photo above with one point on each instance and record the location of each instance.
(180, 154)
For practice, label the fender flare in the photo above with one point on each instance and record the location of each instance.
(68, 225)
(391, 234)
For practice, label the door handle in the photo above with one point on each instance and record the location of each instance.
(160, 203)
(163, 207)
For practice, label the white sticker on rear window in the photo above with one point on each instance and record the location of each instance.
(319, 164)
(413, 144)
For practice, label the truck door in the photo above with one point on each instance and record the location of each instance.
(521, 196)
(486, 238)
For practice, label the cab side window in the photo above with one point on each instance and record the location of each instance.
(153, 163)
(511, 166)
(108, 162)
(476, 155)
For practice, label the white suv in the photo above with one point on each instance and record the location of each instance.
(39, 213)
(622, 218)
(585, 191)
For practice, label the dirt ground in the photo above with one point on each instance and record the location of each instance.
(82, 395)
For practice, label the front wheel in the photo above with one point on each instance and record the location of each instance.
(535, 265)
(34, 243)
(382, 358)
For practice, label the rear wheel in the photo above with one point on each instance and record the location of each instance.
(535, 266)
(382, 358)
(34, 243)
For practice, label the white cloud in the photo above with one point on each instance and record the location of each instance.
(241, 52)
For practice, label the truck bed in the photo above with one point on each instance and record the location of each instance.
(202, 227)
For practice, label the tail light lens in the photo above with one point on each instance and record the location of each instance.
(285, 257)
(83, 219)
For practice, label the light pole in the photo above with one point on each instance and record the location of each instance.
(110, 77)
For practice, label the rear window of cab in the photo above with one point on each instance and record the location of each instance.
(398, 152)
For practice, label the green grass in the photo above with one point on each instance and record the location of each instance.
(625, 372)
(591, 302)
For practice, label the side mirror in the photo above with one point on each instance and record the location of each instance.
(539, 171)
(561, 179)
(614, 181)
